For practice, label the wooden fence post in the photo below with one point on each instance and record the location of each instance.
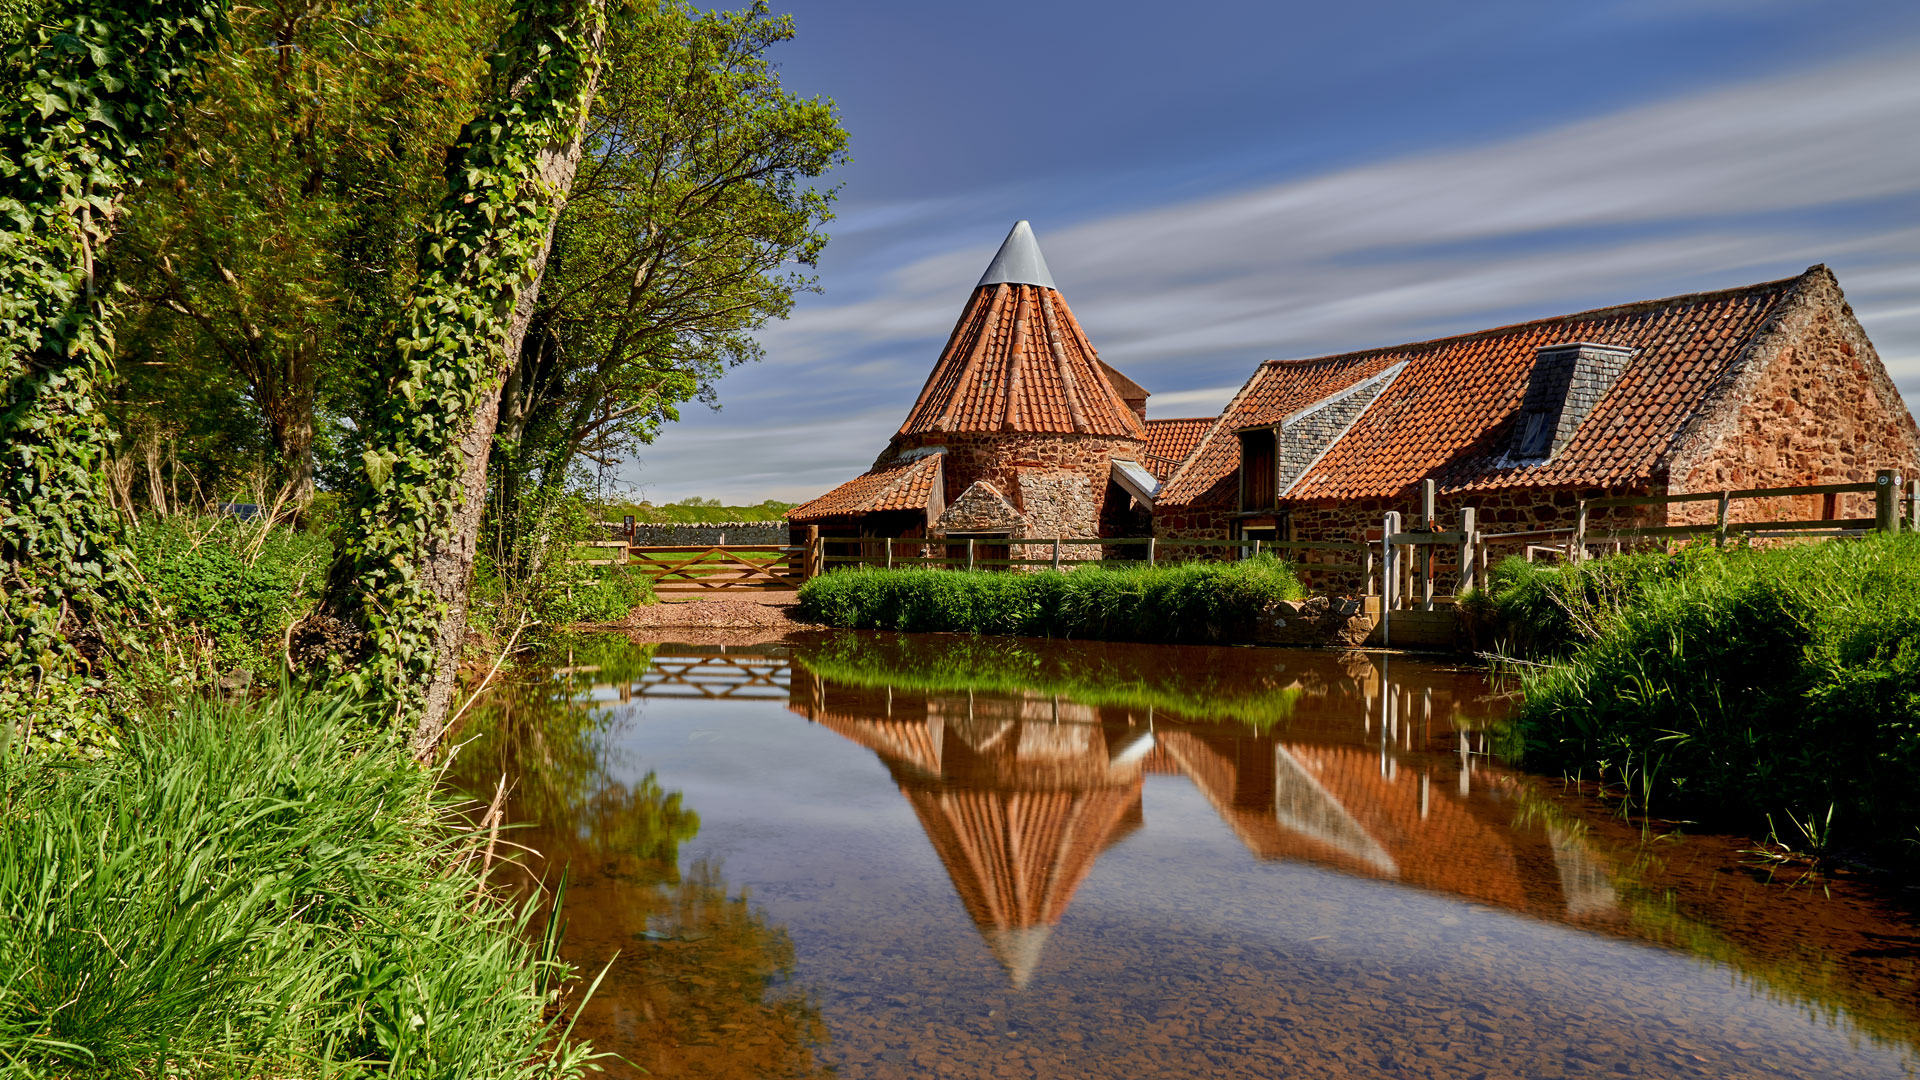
(969, 552)
(1720, 521)
(1913, 506)
(1480, 562)
(889, 543)
(1150, 552)
(1389, 574)
(1468, 529)
(1886, 500)
(1578, 551)
(1056, 553)
(810, 562)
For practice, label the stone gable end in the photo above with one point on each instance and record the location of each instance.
(981, 508)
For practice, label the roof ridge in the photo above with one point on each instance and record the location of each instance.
(1634, 307)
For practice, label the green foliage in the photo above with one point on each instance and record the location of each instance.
(1538, 611)
(1183, 602)
(231, 587)
(83, 98)
(1078, 673)
(274, 242)
(1750, 683)
(259, 890)
(480, 250)
(557, 583)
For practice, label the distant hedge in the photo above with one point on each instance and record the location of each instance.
(1184, 602)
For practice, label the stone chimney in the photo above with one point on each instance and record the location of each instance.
(1568, 380)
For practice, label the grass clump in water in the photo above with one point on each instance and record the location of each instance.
(259, 889)
(1746, 684)
(1183, 602)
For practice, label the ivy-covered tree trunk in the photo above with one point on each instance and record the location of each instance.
(395, 611)
(96, 86)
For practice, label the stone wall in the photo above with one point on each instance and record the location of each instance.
(726, 532)
(1059, 482)
(1812, 405)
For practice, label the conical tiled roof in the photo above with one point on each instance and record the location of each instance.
(1018, 361)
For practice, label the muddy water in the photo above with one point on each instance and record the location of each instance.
(884, 856)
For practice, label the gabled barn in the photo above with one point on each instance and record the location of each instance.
(1768, 385)
(1016, 433)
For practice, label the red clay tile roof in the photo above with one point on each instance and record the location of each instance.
(905, 486)
(1018, 361)
(1450, 414)
(1173, 439)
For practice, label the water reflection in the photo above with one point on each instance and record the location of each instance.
(699, 981)
(1028, 767)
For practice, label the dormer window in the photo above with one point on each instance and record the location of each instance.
(1568, 380)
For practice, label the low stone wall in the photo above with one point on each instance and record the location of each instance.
(1339, 621)
(679, 534)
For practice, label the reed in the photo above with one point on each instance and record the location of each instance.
(1198, 602)
(1750, 683)
(260, 889)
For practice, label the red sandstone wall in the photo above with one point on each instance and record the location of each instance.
(1001, 458)
(1819, 409)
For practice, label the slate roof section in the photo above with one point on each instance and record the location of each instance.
(1018, 362)
(1450, 414)
(901, 486)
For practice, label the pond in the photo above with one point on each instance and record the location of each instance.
(872, 855)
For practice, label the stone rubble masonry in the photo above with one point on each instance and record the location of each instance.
(1032, 472)
(1810, 404)
(981, 508)
(1063, 504)
(679, 534)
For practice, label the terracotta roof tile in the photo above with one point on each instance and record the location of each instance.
(1018, 361)
(1450, 414)
(902, 486)
(1171, 440)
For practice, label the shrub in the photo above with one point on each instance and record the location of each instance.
(232, 587)
(257, 890)
(1751, 683)
(1183, 602)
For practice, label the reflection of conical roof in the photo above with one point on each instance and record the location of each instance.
(1018, 360)
(1016, 857)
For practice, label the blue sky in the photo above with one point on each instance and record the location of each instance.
(1216, 185)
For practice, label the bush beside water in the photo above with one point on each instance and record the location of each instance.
(1743, 685)
(1182, 602)
(253, 890)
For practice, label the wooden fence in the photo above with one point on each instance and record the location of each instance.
(1402, 572)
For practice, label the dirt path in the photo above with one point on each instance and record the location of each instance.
(743, 611)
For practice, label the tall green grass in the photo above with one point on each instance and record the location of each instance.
(1747, 685)
(258, 890)
(1183, 602)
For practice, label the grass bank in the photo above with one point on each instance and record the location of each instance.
(1184, 602)
(265, 889)
(1743, 686)
(1078, 673)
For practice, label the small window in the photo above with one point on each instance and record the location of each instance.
(1536, 434)
(1258, 473)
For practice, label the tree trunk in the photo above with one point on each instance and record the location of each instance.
(447, 561)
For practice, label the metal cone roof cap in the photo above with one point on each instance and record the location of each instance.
(1018, 262)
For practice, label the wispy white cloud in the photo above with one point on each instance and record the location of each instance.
(1714, 190)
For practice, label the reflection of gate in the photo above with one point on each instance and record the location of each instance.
(716, 676)
(694, 568)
